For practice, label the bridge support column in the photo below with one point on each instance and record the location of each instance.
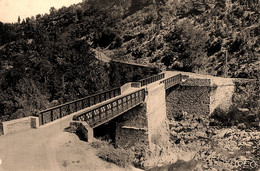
(146, 124)
(158, 125)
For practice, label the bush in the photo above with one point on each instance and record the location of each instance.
(141, 154)
(244, 112)
(118, 156)
(234, 117)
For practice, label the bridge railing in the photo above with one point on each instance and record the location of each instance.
(152, 79)
(65, 109)
(172, 81)
(101, 113)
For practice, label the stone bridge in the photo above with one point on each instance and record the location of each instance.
(139, 110)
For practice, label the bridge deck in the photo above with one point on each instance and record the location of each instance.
(105, 111)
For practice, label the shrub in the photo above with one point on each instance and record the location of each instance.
(234, 117)
(118, 156)
(141, 154)
(100, 144)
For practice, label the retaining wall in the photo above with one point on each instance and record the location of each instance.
(131, 127)
(192, 97)
(199, 96)
(221, 93)
(17, 125)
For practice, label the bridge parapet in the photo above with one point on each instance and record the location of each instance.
(65, 109)
(152, 79)
(174, 80)
(103, 112)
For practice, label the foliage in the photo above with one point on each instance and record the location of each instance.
(245, 111)
(118, 156)
(187, 45)
(141, 154)
(52, 53)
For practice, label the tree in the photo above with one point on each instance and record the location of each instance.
(19, 19)
(52, 11)
(186, 47)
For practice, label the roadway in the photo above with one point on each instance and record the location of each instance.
(40, 149)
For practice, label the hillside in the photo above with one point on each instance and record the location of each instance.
(48, 59)
(195, 35)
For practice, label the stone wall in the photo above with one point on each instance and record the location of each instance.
(1, 129)
(127, 137)
(200, 96)
(84, 129)
(10, 127)
(192, 97)
(221, 93)
(131, 127)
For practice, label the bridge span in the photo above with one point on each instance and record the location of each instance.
(138, 110)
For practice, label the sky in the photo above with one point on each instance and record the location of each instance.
(11, 9)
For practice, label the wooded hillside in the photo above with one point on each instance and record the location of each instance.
(48, 59)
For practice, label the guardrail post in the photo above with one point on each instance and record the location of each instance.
(117, 105)
(52, 115)
(93, 117)
(100, 113)
(126, 107)
(109, 94)
(95, 100)
(41, 118)
(68, 109)
(60, 112)
(100, 99)
(105, 112)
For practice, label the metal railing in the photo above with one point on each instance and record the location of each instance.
(152, 79)
(101, 113)
(172, 81)
(65, 109)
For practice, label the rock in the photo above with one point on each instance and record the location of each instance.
(194, 125)
(222, 133)
(241, 126)
(174, 158)
(201, 134)
(199, 167)
(247, 139)
(178, 129)
(243, 109)
(187, 157)
(242, 158)
(174, 133)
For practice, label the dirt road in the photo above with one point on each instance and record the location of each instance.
(49, 148)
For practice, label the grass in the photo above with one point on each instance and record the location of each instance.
(118, 156)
